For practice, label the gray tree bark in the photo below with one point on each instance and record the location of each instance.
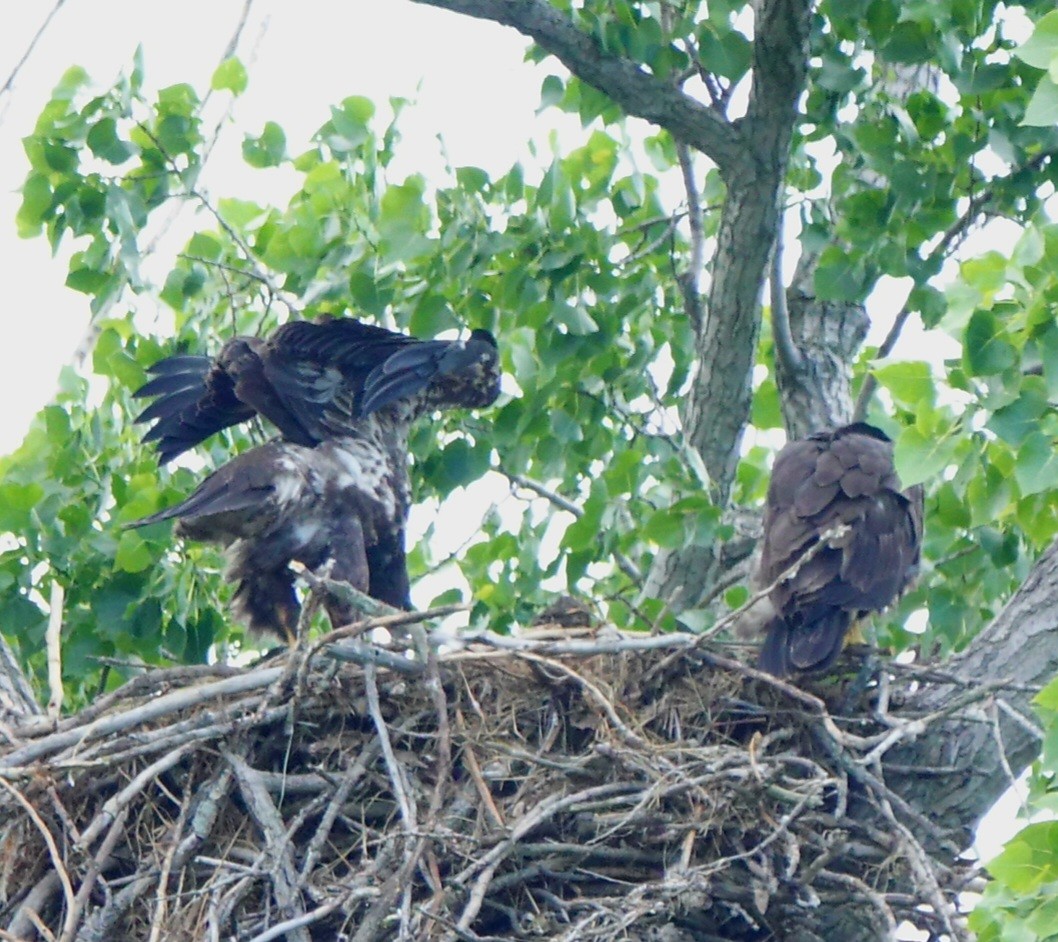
(955, 771)
(815, 392)
(16, 693)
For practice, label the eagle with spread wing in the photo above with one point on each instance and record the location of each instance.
(841, 539)
(332, 489)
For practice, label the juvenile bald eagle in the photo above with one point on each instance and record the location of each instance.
(333, 488)
(838, 487)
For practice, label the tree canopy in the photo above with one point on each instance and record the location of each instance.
(696, 277)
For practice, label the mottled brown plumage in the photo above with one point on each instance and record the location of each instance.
(332, 491)
(839, 487)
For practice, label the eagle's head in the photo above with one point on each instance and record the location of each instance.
(468, 375)
(435, 374)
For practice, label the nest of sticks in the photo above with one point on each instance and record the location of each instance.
(567, 785)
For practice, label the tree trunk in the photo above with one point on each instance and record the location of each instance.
(956, 771)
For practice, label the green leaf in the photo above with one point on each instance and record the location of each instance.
(1042, 110)
(910, 42)
(364, 291)
(349, 126)
(583, 533)
(87, 280)
(179, 99)
(929, 302)
(766, 411)
(1037, 465)
(1041, 48)
(460, 463)
(16, 502)
(133, 554)
(1029, 859)
(109, 358)
(837, 277)
(727, 54)
(402, 212)
(574, 318)
(203, 245)
(910, 381)
(104, 142)
(239, 213)
(988, 496)
(986, 351)
(230, 75)
(551, 91)
(36, 205)
(1014, 422)
(1047, 698)
(472, 179)
(72, 81)
(919, 457)
(665, 528)
(267, 150)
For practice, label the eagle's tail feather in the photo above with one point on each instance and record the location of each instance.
(816, 645)
(773, 656)
(266, 602)
(803, 647)
(174, 379)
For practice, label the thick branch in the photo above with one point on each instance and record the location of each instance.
(1020, 646)
(786, 351)
(16, 692)
(827, 336)
(719, 400)
(637, 92)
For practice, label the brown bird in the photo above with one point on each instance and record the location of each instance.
(332, 491)
(835, 504)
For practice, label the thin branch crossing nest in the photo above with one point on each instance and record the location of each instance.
(576, 787)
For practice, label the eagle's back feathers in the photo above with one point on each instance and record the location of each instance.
(839, 486)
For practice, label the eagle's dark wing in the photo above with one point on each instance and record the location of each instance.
(239, 499)
(195, 397)
(314, 381)
(320, 370)
(259, 508)
(838, 488)
(336, 373)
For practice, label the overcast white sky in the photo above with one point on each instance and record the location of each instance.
(467, 77)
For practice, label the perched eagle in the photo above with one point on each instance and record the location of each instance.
(838, 487)
(333, 487)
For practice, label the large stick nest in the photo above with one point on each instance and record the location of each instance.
(544, 793)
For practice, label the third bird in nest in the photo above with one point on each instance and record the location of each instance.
(835, 503)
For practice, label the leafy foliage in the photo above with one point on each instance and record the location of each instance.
(578, 264)
(1021, 901)
(582, 309)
